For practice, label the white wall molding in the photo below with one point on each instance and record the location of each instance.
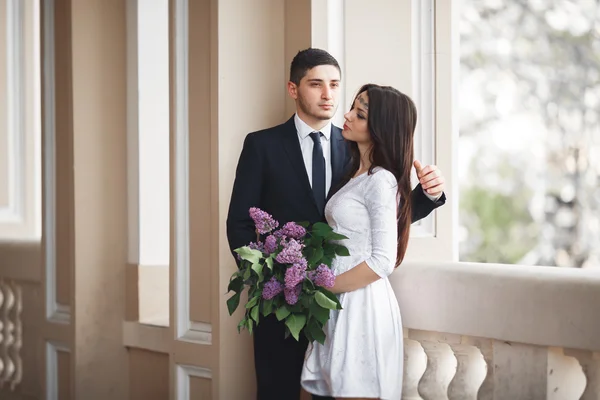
(423, 94)
(184, 372)
(56, 313)
(185, 329)
(60, 314)
(52, 349)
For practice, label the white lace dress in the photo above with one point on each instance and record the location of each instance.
(363, 354)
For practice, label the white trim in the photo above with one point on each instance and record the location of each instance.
(423, 93)
(16, 210)
(186, 330)
(56, 313)
(198, 332)
(61, 314)
(52, 348)
(133, 208)
(184, 372)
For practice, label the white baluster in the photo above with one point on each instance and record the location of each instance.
(590, 364)
(566, 380)
(15, 349)
(441, 368)
(415, 363)
(470, 374)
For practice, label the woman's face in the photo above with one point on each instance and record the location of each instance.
(356, 128)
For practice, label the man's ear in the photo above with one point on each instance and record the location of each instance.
(292, 90)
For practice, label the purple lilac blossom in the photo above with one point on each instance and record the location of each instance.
(270, 244)
(291, 295)
(257, 246)
(291, 253)
(324, 276)
(295, 274)
(272, 288)
(293, 230)
(263, 221)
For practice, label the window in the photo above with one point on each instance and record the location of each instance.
(529, 144)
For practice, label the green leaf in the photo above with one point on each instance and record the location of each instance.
(250, 325)
(342, 251)
(316, 332)
(331, 297)
(336, 236)
(327, 260)
(241, 325)
(269, 262)
(304, 224)
(258, 269)
(316, 257)
(295, 322)
(254, 313)
(282, 312)
(316, 241)
(247, 274)
(267, 307)
(321, 228)
(321, 314)
(236, 285)
(325, 301)
(249, 254)
(233, 302)
(252, 302)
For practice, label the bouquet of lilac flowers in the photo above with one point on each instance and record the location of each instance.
(288, 274)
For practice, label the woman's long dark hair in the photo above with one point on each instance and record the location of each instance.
(391, 120)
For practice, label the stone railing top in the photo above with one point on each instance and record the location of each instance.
(537, 305)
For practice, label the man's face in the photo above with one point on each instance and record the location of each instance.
(317, 95)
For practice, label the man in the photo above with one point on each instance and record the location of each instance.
(281, 171)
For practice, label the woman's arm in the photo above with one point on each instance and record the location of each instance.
(381, 203)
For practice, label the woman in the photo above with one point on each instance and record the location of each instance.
(362, 357)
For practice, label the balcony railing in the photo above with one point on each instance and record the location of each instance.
(485, 331)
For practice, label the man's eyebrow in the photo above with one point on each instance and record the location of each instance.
(321, 80)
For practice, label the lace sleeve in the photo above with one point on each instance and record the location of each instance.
(381, 201)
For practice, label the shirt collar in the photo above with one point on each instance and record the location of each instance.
(304, 130)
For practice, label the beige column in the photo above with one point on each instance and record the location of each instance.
(100, 197)
(86, 250)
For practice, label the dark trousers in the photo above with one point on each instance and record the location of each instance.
(278, 362)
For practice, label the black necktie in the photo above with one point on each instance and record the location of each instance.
(318, 171)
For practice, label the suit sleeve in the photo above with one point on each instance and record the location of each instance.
(422, 206)
(247, 189)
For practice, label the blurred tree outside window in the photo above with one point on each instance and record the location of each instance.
(529, 144)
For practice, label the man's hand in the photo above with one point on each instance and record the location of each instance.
(431, 179)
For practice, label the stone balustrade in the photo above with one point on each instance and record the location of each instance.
(484, 331)
(10, 334)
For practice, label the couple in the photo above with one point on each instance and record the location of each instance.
(358, 180)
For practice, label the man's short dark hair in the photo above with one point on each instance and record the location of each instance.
(307, 59)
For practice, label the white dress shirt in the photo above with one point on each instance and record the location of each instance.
(307, 144)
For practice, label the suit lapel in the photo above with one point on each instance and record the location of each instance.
(291, 147)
